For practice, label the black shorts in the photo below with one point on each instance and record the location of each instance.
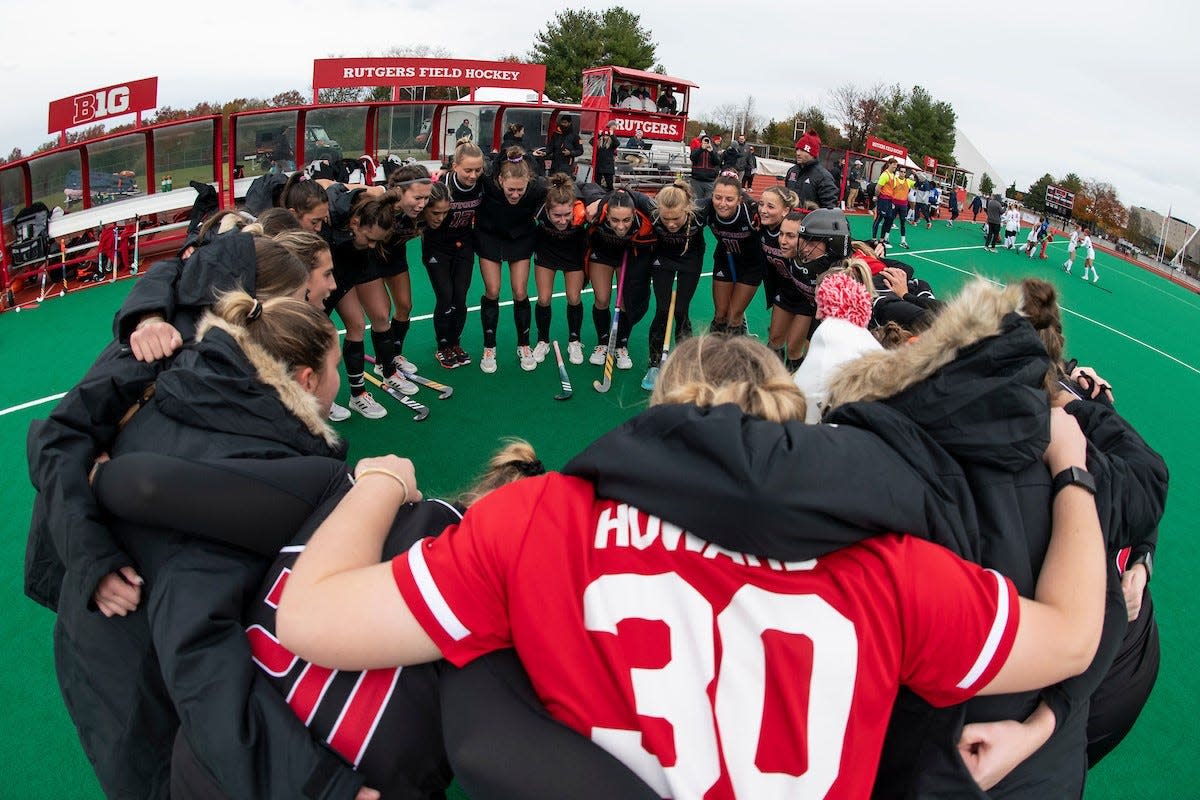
(396, 262)
(609, 258)
(495, 248)
(577, 267)
(747, 274)
(790, 299)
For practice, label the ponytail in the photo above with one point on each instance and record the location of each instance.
(514, 165)
(289, 330)
(277, 272)
(301, 194)
(515, 460)
(561, 190)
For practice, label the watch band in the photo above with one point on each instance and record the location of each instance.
(1074, 476)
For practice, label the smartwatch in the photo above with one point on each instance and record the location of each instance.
(1074, 476)
(1147, 561)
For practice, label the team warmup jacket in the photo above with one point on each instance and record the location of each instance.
(67, 531)
(997, 434)
(130, 682)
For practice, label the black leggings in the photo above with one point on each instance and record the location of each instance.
(993, 235)
(686, 288)
(450, 277)
(895, 213)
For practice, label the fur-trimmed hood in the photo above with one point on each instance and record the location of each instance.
(973, 380)
(273, 373)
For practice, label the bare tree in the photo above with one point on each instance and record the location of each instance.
(725, 117)
(857, 111)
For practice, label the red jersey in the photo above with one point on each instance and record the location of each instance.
(708, 672)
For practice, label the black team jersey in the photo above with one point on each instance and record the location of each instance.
(509, 221)
(738, 236)
(682, 250)
(562, 249)
(456, 231)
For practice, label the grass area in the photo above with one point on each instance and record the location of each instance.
(1133, 326)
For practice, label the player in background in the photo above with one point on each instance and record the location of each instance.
(505, 230)
(1072, 244)
(409, 186)
(738, 257)
(568, 576)
(1089, 262)
(561, 246)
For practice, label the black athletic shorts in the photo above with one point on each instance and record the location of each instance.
(495, 248)
(609, 257)
(395, 263)
(790, 299)
(747, 274)
(576, 267)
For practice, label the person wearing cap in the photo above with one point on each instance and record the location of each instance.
(855, 185)
(666, 101)
(705, 166)
(564, 147)
(808, 179)
(695, 143)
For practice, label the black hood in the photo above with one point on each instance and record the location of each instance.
(789, 491)
(225, 263)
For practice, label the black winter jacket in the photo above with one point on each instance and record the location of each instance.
(812, 183)
(562, 149)
(66, 530)
(128, 685)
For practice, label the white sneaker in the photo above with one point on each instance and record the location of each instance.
(528, 361)
(540, 351)
(338, 413)
(397, 381)
(403, 363)
(487, 362)
(599, 353)
(366, 405)
(575, 352)
(623, 359)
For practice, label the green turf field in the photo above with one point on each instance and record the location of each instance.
(1132, 326)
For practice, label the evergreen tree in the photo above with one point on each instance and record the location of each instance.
(576, 40)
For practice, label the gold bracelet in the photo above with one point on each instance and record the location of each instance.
(384, 471)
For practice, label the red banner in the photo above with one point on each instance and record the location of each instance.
(931, 163)
(341, 73)
(99, 104)
(887, 148)
(670, 129)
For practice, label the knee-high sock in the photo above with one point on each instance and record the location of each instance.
(399, 332)
(601, 318)
(542, 317)
(353, 358)
(521, 316)
(385, 350)
(489, 315)
(574, 321)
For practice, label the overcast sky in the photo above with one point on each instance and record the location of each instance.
(1104, 89)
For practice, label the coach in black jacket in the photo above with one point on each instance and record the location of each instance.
(811, 182)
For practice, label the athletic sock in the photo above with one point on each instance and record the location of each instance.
(489, 315)
(601, 318)
(399, 332)
(778, 351)
(353, 356)
(718, 326)
(385, 350)
(542, 318)
(574, 321)
(793, 364)
(521, 317)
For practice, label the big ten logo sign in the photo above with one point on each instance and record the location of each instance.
(103, 103)
(99, 104)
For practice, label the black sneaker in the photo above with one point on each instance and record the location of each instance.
(461, 355)
(447, 358)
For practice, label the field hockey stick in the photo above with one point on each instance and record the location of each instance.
(666, 348)
(604, 385)
(62, 249)
(115, 252)
(732, 266)
(421, 412)
(562, 375)
(42, 281)
(442, 389)
(137, 227)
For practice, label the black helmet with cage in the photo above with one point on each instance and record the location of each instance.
(829, 225)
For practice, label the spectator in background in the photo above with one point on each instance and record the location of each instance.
(564, 147)
(751, 167)
(976, 207)
(283, 158)
(932, 203)
(855, 184)
(995, 214)
(464, 131)
(695, 143)
(952, 202)
(606, 151)
(620, 93)
(835, 172)
(734, 157)
(705, 166)
(666, 101)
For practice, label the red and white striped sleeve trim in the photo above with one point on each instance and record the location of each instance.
(996, 635)
(435, 601)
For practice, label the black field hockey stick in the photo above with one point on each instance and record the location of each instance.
(562, 375)
(420, 411)
(732, 267)
(442, 389)
(604, 385)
